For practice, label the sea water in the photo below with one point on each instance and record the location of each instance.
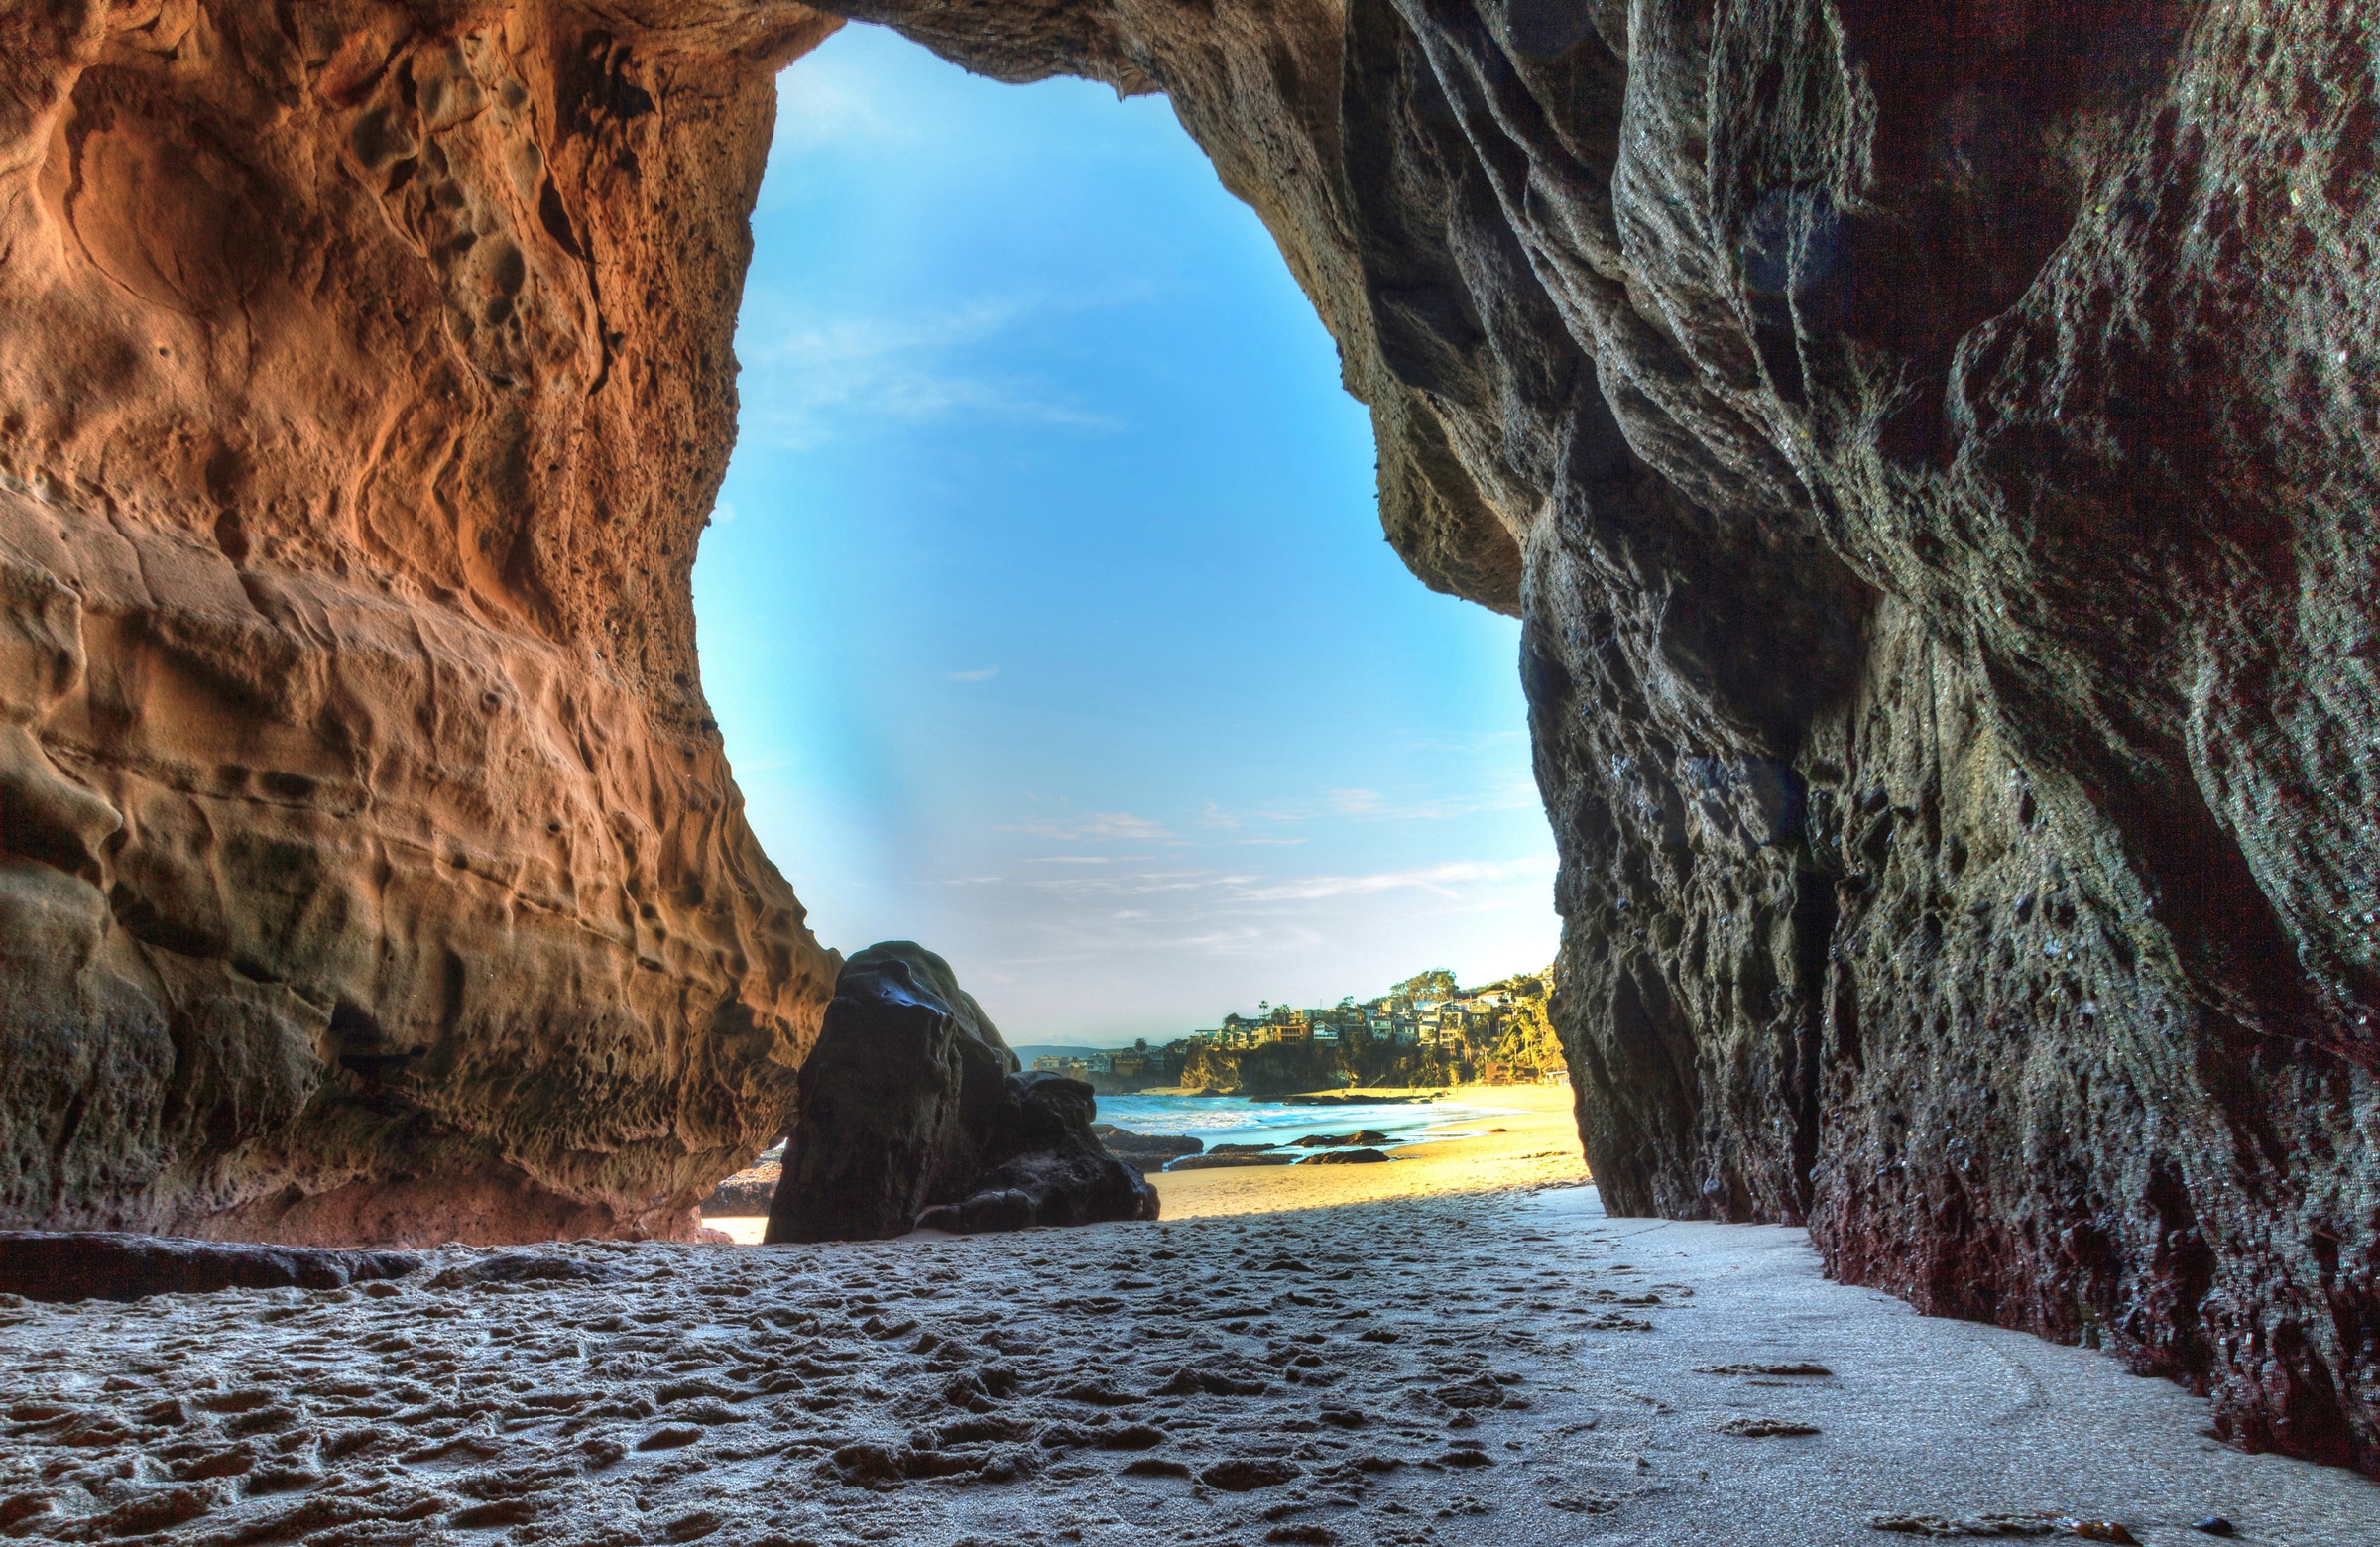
(1224, 1119)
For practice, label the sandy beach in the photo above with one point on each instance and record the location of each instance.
(1478, 1355)
(1531, 1140)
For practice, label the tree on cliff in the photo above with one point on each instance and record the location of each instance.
(1525, 1038)
(1436, 984)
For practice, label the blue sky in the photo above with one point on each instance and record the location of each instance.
(1045, 608)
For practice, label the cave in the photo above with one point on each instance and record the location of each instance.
(1928, 448)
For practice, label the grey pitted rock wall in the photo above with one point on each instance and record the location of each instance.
(370, 868)
(1932, 449)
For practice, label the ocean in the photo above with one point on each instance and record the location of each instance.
(1225, 1120)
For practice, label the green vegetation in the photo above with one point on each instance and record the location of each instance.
(1426, 1031)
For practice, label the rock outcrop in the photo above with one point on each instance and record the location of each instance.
(912, 1112)
(748, 1193)
(1144, 1152)
(370, 868)
(897, 1101)
(1931, 449)
(112, 1265)
(1044, 1166)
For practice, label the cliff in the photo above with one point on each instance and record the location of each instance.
(369, 864)
(1930, 451)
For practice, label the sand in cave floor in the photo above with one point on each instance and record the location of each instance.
(1500, 1367)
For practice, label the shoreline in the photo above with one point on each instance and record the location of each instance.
(1526, 1139)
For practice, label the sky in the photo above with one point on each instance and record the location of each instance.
(1046, 607)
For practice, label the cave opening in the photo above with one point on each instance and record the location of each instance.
(1044, 610)
(372, 874)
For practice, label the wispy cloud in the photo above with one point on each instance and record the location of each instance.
(978, 675)
(1441, 879)
(1099, 825)
(1370, 805)
(821, 104)
(807, 372)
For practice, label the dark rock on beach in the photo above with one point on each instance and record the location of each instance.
(1045, 1167)
(748, 1192)
(1366, 1157)
(111, 1266)
(912, 1105)
(1144, 1152)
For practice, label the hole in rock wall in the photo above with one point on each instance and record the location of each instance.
(1045, 609)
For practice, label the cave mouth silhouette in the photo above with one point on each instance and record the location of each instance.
(992, 391)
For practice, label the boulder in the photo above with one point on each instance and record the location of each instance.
(748, 1192)
(115, 1265)
(1144, 1152)
(1344, 1157)
(1045, 1165)
(911, 1104)
(1123, 1141)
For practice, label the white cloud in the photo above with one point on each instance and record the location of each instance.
(1098, 826)
(820, 102)
(1442, 878)
(805, 372)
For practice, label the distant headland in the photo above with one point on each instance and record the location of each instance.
(1427, 1030)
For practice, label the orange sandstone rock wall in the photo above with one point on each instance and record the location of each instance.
(370, 868)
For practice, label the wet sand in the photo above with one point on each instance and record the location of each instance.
(1497, 1367)
(1537, 1148)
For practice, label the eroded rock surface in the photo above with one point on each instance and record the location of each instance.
(1044, 1165)
(1931, 449)
(912, 1112)
(368, 866)
(112, 1265)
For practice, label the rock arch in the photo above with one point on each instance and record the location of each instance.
(1929, 449)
